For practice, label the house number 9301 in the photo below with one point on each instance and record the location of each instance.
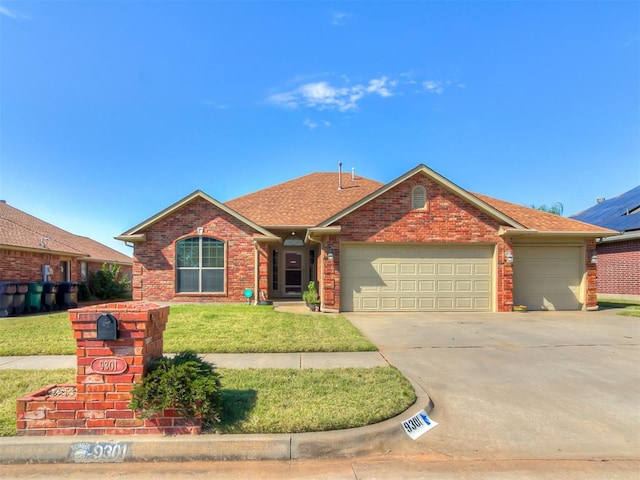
(109, 365)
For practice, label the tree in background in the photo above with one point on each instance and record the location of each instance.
(557, 208)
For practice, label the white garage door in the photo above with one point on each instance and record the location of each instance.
(415, 278)
(547, 277)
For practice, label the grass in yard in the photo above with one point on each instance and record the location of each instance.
(17, 383)
(311, 400)
(265, 400)
(48, 334)
(202, 328)
(628, 309)
(251, 329)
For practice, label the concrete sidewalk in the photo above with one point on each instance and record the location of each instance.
(224, 360)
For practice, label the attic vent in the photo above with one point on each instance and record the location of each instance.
(418, 197)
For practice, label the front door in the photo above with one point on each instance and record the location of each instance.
(293, 273)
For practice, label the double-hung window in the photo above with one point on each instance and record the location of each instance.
(200, 265)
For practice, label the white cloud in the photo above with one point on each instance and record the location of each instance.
(433, 86)
(307, 122)
(11, 13)
(323, 95)
(340, 18)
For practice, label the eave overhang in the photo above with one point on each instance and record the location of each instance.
(516, 232)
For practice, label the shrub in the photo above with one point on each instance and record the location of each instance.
(185, 383)
(108, 282)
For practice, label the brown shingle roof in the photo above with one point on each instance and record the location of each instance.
(538, 220)
(304, 201)
(23, 231)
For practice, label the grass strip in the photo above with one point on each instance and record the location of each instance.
(265, 400)
(202, 328)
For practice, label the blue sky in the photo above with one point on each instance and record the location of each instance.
(111, 111)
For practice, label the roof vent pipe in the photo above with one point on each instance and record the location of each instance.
(353, 174)
(339, 175)
(600, 200)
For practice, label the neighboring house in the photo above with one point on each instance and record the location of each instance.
(32, 250)
(618, 257)
(418, 243)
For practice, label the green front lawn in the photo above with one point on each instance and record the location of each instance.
(265, 400)
(202, 328)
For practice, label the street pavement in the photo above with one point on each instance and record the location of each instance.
(516, 395)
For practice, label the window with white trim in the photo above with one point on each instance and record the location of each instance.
(200, 265)
(418, 197)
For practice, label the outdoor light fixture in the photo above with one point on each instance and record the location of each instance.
(594, 257)
(508, 255)
(330, 254)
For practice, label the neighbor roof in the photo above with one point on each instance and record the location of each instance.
(619, 213)
(305, 201)
(542, 222)
(19, 230)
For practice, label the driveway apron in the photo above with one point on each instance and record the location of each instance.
(535, 385)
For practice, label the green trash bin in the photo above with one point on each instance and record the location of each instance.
(33, 302)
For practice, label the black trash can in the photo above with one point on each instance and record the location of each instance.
(67, 295)
(49, 290)
(7, 290)
(19, 298)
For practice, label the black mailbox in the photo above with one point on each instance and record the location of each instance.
(107, 327)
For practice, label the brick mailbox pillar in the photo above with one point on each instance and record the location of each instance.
(98, 403)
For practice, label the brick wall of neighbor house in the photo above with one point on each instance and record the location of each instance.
(24, 266)
(154, 259)
(446, 219)
(619, 267)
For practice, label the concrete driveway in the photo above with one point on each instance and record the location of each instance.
(535, 385)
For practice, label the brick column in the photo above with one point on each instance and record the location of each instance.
(98, 404)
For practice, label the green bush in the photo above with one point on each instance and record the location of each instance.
(108, 283)
(185, 383)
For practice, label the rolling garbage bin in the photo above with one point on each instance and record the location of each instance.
(19, 298)
(49, 290)
(7, 290)
(33, 303)
(67, 295)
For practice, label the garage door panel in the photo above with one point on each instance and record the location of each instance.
(416, 278)
(408, 269)
(426, 269)
(444, 269)
(464, 269)
(482, 269)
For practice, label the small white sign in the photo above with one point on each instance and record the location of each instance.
(418, 425)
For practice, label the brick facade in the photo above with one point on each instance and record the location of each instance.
(25, 266)
(154, 272)
(450, 218)
(619, 267)
(446, 219)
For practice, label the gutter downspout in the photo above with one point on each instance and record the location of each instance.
(256, 267)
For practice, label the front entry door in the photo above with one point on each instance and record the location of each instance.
(293, 273)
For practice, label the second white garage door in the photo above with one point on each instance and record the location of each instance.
(416, 278)
(548, 277)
